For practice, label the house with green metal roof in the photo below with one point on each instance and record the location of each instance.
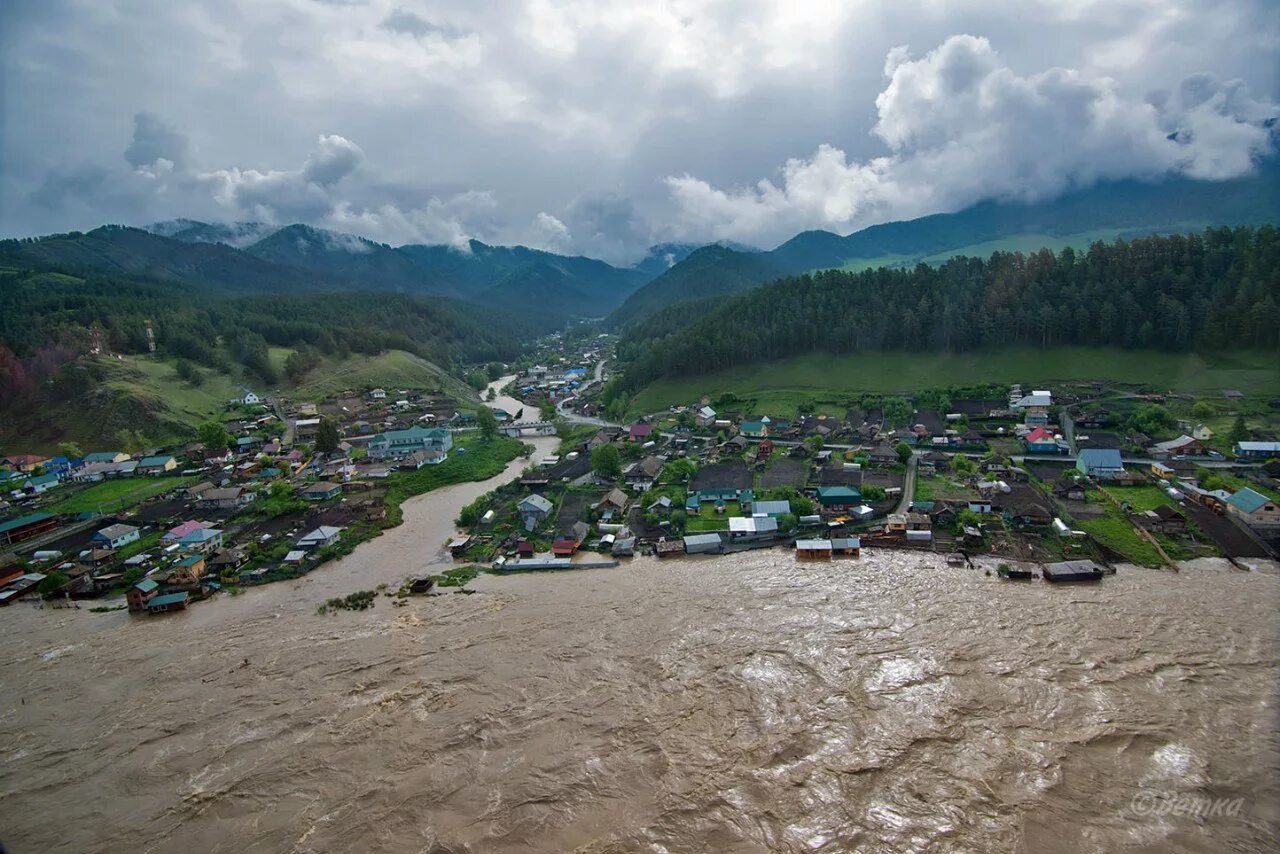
(140, 594)
(838, 498)
(26, 527)
(402, 443)
(106, 457)
(40, 483)
(1254, 508)
(156, 465)
(168, 602)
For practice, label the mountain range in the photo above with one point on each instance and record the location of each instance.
(546, 288)
(1107, 211)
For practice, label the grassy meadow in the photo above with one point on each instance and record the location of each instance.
(777, 387)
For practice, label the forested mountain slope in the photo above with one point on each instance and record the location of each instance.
(1103, 212)
(1219, 289)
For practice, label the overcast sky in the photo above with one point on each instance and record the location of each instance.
(601, 127)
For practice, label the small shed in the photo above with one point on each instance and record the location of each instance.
(850, 546)
(702, 544)
(813, 549)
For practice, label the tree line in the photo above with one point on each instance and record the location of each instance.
(50, 316)
(1216, 290)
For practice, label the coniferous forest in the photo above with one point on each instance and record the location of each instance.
(1215, 290)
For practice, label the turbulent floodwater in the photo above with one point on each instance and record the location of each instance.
(731, 704)
(748, 704)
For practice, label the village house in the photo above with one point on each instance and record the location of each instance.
(644, 474)
(169, 602)
(156, 465)
(1034, 407)
(770, 508)
(838, 499)
(94, 472)
(899, 522)
(105, 457)
(1254, 508)
(140, 594)
(40, 484)
(640, 432)
(1256, 450)
(614, 504)
(752, 528)
(196, 490)
(705, 417)
(321, 491)
(189, 570)
(1183, 446)
(202, 540)
(931, 463)
(26, 462)
(325, 535)
(695, 544)
(403, 443)
(662, 506)
(882, 454)
(250, 399)
(1100, 463)
(533, 510)
(116, 536)
(1041, 441)
(225, 498)
(755, 429)
(1162, 520)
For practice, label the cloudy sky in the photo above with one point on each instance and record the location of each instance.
(601, 127)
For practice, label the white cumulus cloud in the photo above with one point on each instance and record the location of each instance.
(961, 126)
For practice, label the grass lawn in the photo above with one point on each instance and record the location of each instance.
(776, 387)
(1141, 498)
(1115, 532)
(710, 520)
(941, 489)
(111, 496)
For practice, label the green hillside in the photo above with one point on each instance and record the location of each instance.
(123, 401)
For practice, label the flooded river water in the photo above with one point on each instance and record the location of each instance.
(749, 703)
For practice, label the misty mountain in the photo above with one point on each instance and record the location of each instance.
(297, 258)
(1121, 209)
(237, 234)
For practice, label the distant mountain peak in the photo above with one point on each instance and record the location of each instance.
(235, 234)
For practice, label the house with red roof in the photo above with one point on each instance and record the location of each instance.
(1041, 441)
(640, 432)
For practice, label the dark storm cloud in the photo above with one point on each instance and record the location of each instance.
(155, 141)
(598, 126)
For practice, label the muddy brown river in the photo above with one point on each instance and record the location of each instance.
(742, 704)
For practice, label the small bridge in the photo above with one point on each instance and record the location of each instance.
(537, 428)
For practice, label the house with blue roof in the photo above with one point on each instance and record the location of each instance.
(201, 540)
(1100, 463)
